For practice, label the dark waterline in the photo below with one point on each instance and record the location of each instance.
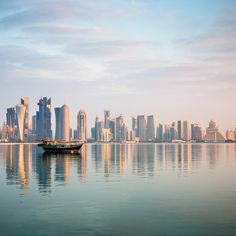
(119, 189)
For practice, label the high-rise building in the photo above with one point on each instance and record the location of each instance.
(196, 132)
(141, 128)
(212, 133)
(134, 124)
(118, 128)
(173, 131)
(43, 119)
(82, 125)
(150, 128)
(180, 130)
(112, 127)
(65, 120)
(20, 116)
(186, 130)
(34, 124)
(97, 131)
(124, 132)
(160, 133)
(25, 103)
(11, 117)
(106, 119)
(93, 133)
(166, 133)
(11, 122)
(62, 123)
(58, 123)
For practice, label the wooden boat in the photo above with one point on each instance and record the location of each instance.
(60, 146)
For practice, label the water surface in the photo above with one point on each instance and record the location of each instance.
(114, 189)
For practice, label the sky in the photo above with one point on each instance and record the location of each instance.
(173, 59)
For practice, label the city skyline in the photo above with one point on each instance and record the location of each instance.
(90, 120)
(174, 60)
(20, 126)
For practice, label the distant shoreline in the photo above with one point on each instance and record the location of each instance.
(17, 143)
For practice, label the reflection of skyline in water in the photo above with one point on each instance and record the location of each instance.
(26, 163)
(18, 164)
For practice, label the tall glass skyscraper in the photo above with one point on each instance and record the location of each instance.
(25, 103)
(20, 116)
(150, 128)
(62, 123)
(141, 128)
(180, 130)
(106, 119)
(82, 125)
(186, 130)
(58, 122)
(97, 131)
(43, 119)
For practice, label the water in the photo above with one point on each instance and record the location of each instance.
(113, 189)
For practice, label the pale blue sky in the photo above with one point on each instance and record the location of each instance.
(173, 59)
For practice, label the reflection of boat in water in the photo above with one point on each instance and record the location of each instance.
(60, 147)
(59, 155)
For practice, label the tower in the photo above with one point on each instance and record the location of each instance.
(106, 119)
(150, 128)
(62, 123)
(25, 103)
(20, 116)
(82, 125)
(141, 127)
(43, 119)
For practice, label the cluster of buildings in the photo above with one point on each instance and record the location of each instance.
(144, 130)
(19, 127)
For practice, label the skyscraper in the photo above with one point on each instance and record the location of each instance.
(112, 126)
(160, 133)
(196, 132)
(166, 132)
(34, 124)
(43, 119)
(58, 123)
(141, 128)
(11, 117)
(173, 131)
(20, 115)
(82, 125)
(186, 130)
(150, 128)
(124, 132)
(106, 119)
(180, 130)
(134, 124)
(118, 128)
(11, 122)
(25, 103)
(97, 129)
(65, 121)
(62, 123)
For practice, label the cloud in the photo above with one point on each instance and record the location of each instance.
(38, 12)
(62, 29)
(111, 48)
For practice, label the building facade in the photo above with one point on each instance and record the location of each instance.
(20, 116)
(82, 125)
(43, 119)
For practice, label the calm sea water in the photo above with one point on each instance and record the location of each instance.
(113, 189)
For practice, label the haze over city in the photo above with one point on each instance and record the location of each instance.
(173, 59)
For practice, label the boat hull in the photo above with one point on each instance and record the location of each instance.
(61, 148)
